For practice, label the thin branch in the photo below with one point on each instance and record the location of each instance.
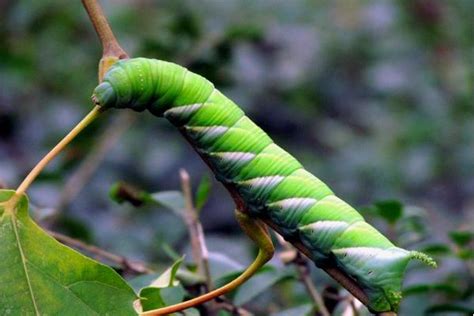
(111, 49)
(342, 278)
(134, 266)
(110, 45)
(302, 268)
(196, 234)
(57, 149)
(337, 274)
(303, 271)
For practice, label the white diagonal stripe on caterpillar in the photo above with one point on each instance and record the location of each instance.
(365, 253)
(267, 181)
(235, 156)
(208, 131)
(325, 225)
(293, 203)
(183, 109)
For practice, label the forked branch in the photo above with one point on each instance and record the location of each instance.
(190, 216)
(111, 49)
(110, 45)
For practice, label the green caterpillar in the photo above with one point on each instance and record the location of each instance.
(264, 179)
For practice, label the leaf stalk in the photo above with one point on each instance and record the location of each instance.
(89, 118)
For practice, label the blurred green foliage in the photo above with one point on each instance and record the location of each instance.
(375, 97)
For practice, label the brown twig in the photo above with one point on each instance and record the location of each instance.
(134, 266)
(111, 49)
(111, 52)
(301, 264)
(196, 234)
(110, 45)
(342, 278)
(303, 271)
(337, 274)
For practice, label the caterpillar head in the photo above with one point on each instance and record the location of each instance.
(104, 95)
(115, 91)
(124, 86)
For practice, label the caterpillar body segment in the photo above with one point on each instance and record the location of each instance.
(272, 184)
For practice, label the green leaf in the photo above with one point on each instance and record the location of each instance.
(461, 238)
(202, 193)
(168, 278)
(163, 291)
(150, 298)
(38, 275)
(174, 200)
(154, 297)
(173, 294)
(184, 276)
(390, 210)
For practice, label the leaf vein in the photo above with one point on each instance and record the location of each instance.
(62, 285)
(23, 261)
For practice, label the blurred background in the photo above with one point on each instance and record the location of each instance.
(373, 97)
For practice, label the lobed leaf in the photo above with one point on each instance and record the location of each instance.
(40, 276)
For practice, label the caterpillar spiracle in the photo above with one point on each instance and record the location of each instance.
(264, 179)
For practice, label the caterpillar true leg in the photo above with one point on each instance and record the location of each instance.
(258, 232)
